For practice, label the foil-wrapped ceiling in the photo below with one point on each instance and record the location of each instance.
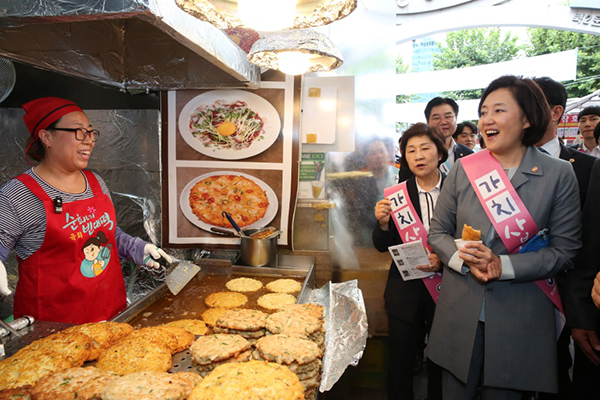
(130, 44)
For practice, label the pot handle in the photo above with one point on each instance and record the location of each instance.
(232, 222)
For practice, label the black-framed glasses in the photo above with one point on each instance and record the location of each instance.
(81, 133)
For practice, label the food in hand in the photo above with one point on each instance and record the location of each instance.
(469, 233)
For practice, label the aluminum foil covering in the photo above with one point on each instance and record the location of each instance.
(327, 55)
(130, 44)
(221, 13)
(347, 328)
(127, 158)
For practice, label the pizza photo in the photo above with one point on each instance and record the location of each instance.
(250, 201)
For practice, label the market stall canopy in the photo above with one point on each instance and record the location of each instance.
(130, 44)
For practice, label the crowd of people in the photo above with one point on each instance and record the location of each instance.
(510, 304)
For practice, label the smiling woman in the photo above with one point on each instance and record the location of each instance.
(489, 292)
(60, 220)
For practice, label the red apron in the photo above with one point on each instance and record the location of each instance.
(75, 276)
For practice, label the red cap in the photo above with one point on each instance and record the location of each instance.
(43, 112)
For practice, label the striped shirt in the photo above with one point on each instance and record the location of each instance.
(23, 216)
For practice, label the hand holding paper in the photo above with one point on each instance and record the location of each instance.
(383, 210)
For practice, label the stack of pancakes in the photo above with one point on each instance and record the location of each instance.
(300, 355)
(208, 352)
(299, 319)
(253, 380)
(249, 324)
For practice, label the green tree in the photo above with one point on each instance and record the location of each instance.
(471, 47)
(402, 68)
(546, 41)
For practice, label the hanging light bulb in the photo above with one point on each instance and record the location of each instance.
(293, 62)
(296, 52)
(281, 14)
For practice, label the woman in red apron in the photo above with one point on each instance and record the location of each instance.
(61, 222)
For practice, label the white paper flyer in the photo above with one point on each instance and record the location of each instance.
(407, 256)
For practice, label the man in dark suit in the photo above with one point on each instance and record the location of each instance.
(441, 114)
(582, 316)
(582, 163)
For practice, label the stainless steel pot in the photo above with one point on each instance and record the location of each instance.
(258, 252)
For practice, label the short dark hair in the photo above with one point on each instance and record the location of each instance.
(555, 92)
(438, 101)
(530, 99)
(592, 110)
(461, 126)
(421, 129)
(597, 132)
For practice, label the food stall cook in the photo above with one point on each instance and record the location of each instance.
(60, 220)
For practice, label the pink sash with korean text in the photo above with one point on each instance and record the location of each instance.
(505, 209)
(411, 229)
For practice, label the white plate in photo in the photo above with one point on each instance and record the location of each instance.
(270, 213)
(248, 139)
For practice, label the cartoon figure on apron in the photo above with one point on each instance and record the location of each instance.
(96, 255)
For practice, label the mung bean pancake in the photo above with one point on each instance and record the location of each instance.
(226, 299)
(274, 301)
(244, 285)
(157, 335)
(21, 393)
(148, 386)
(74, 345)
(184, 337)
(284, 349)
(196, 326)
(204, 370)
(73, 383)
(211, 315)
(102, 334)
(284, 286)
(28, 366)
(256, 380)
(217, 347)
(130, 356)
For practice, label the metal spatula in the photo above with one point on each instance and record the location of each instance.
(179, 273)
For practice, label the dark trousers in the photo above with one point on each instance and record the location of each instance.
(564, 363)
(454, 389)
(586, 377)
(404, 343)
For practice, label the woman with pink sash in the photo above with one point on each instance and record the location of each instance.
(409, 303)
(494, 330)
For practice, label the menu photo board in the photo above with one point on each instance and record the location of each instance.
(229, 151)
(311, 184)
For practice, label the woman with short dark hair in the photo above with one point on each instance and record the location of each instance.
(409, 303)
(494, 291)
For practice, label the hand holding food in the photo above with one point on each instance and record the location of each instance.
(483, 263)
(383, 210)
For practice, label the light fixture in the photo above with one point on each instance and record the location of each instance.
(268, 15)
(296, 52)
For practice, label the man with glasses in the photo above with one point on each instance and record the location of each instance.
(441, 114)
